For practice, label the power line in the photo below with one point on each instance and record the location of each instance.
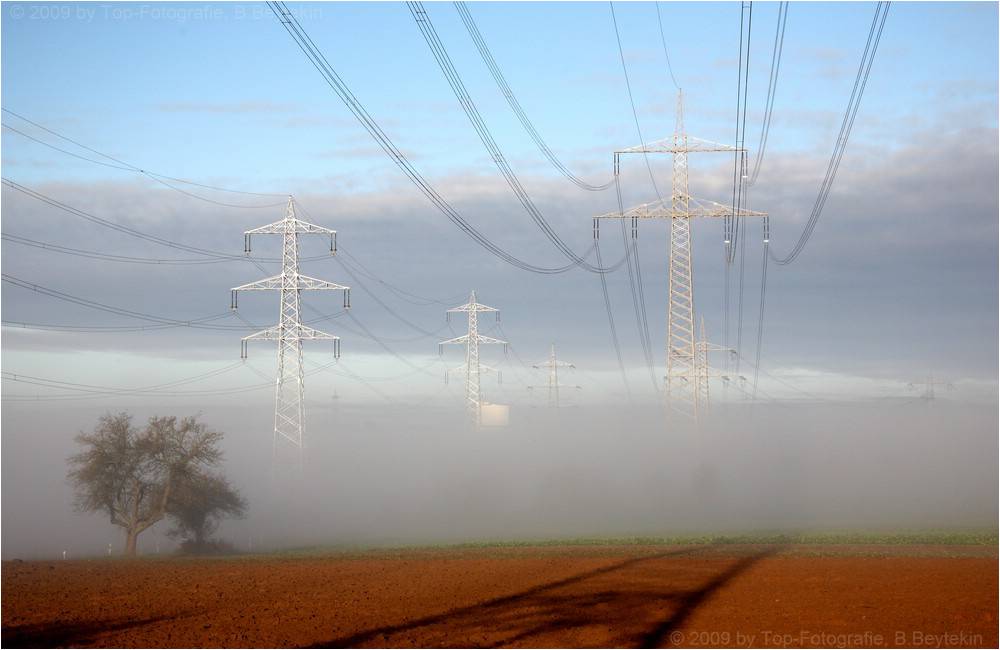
(739, 158)
(434, 43)
(772, 88)
(219, 257)
(611, 323)
(739, 302)
(402, 294)
(733, 223)
(126, 166)
(154, 177)
(162, 321)
(119, 164)
(116, 226)
(353, 375)
(663, 40)
(638, 295)
(145, 389)
(346, 257)
(381, 303)
(89, 391)
(110, 257)
(787, 384)
(330, 76)
(760, 311)
(487, 56)
(631, 101)
(860, 81)
(88, 216)
(111, 328)
(197, 323)
(216, 256)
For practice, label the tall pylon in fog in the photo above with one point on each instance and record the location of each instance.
(552, 364)
(928, 387)
(472, 368)
(290, 332)
(686, 377)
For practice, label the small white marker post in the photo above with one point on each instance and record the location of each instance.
(109, 550)
(64, 555)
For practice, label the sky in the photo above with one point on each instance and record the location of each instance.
(898, 283)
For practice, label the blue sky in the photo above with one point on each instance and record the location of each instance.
(220, 91)
(220, 94)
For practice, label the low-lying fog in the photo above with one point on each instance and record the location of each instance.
(384, 475)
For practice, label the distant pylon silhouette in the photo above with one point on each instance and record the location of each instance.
(472, 367)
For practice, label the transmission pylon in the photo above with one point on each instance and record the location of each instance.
(686, 381)
(290, 332)
(472, 367)
(704, 369)
(552, 364)
(928, 387)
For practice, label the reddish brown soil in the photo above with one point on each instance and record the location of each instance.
(587, 596)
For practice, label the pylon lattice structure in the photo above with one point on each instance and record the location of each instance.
(552, 364)
(472, 368)
(928, 385)
(687, 371)
(290, 332)
(704, 369)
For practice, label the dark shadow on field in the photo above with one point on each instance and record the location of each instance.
(58, 634)
(691, 600)
(620, 611)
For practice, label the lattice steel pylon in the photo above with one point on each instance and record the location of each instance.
(290, 332)
(552, 364)
(928, 385)
(472, 367)
(686, 382)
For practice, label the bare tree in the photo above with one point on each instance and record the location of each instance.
(198, 504)
(131, 474)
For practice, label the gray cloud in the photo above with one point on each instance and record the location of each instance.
(894, 257)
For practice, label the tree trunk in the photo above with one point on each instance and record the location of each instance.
(131, 537)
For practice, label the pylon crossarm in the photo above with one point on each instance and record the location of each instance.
(697, 208)
(705, 346)
(270, 334)
(290, 225)
(303, 332)
(685, 144)
(706, 208)
(458, 339)
(292, 282)
(308, 333)
(472, 306)
(273, 282)
(491, 340)
(313, 284)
